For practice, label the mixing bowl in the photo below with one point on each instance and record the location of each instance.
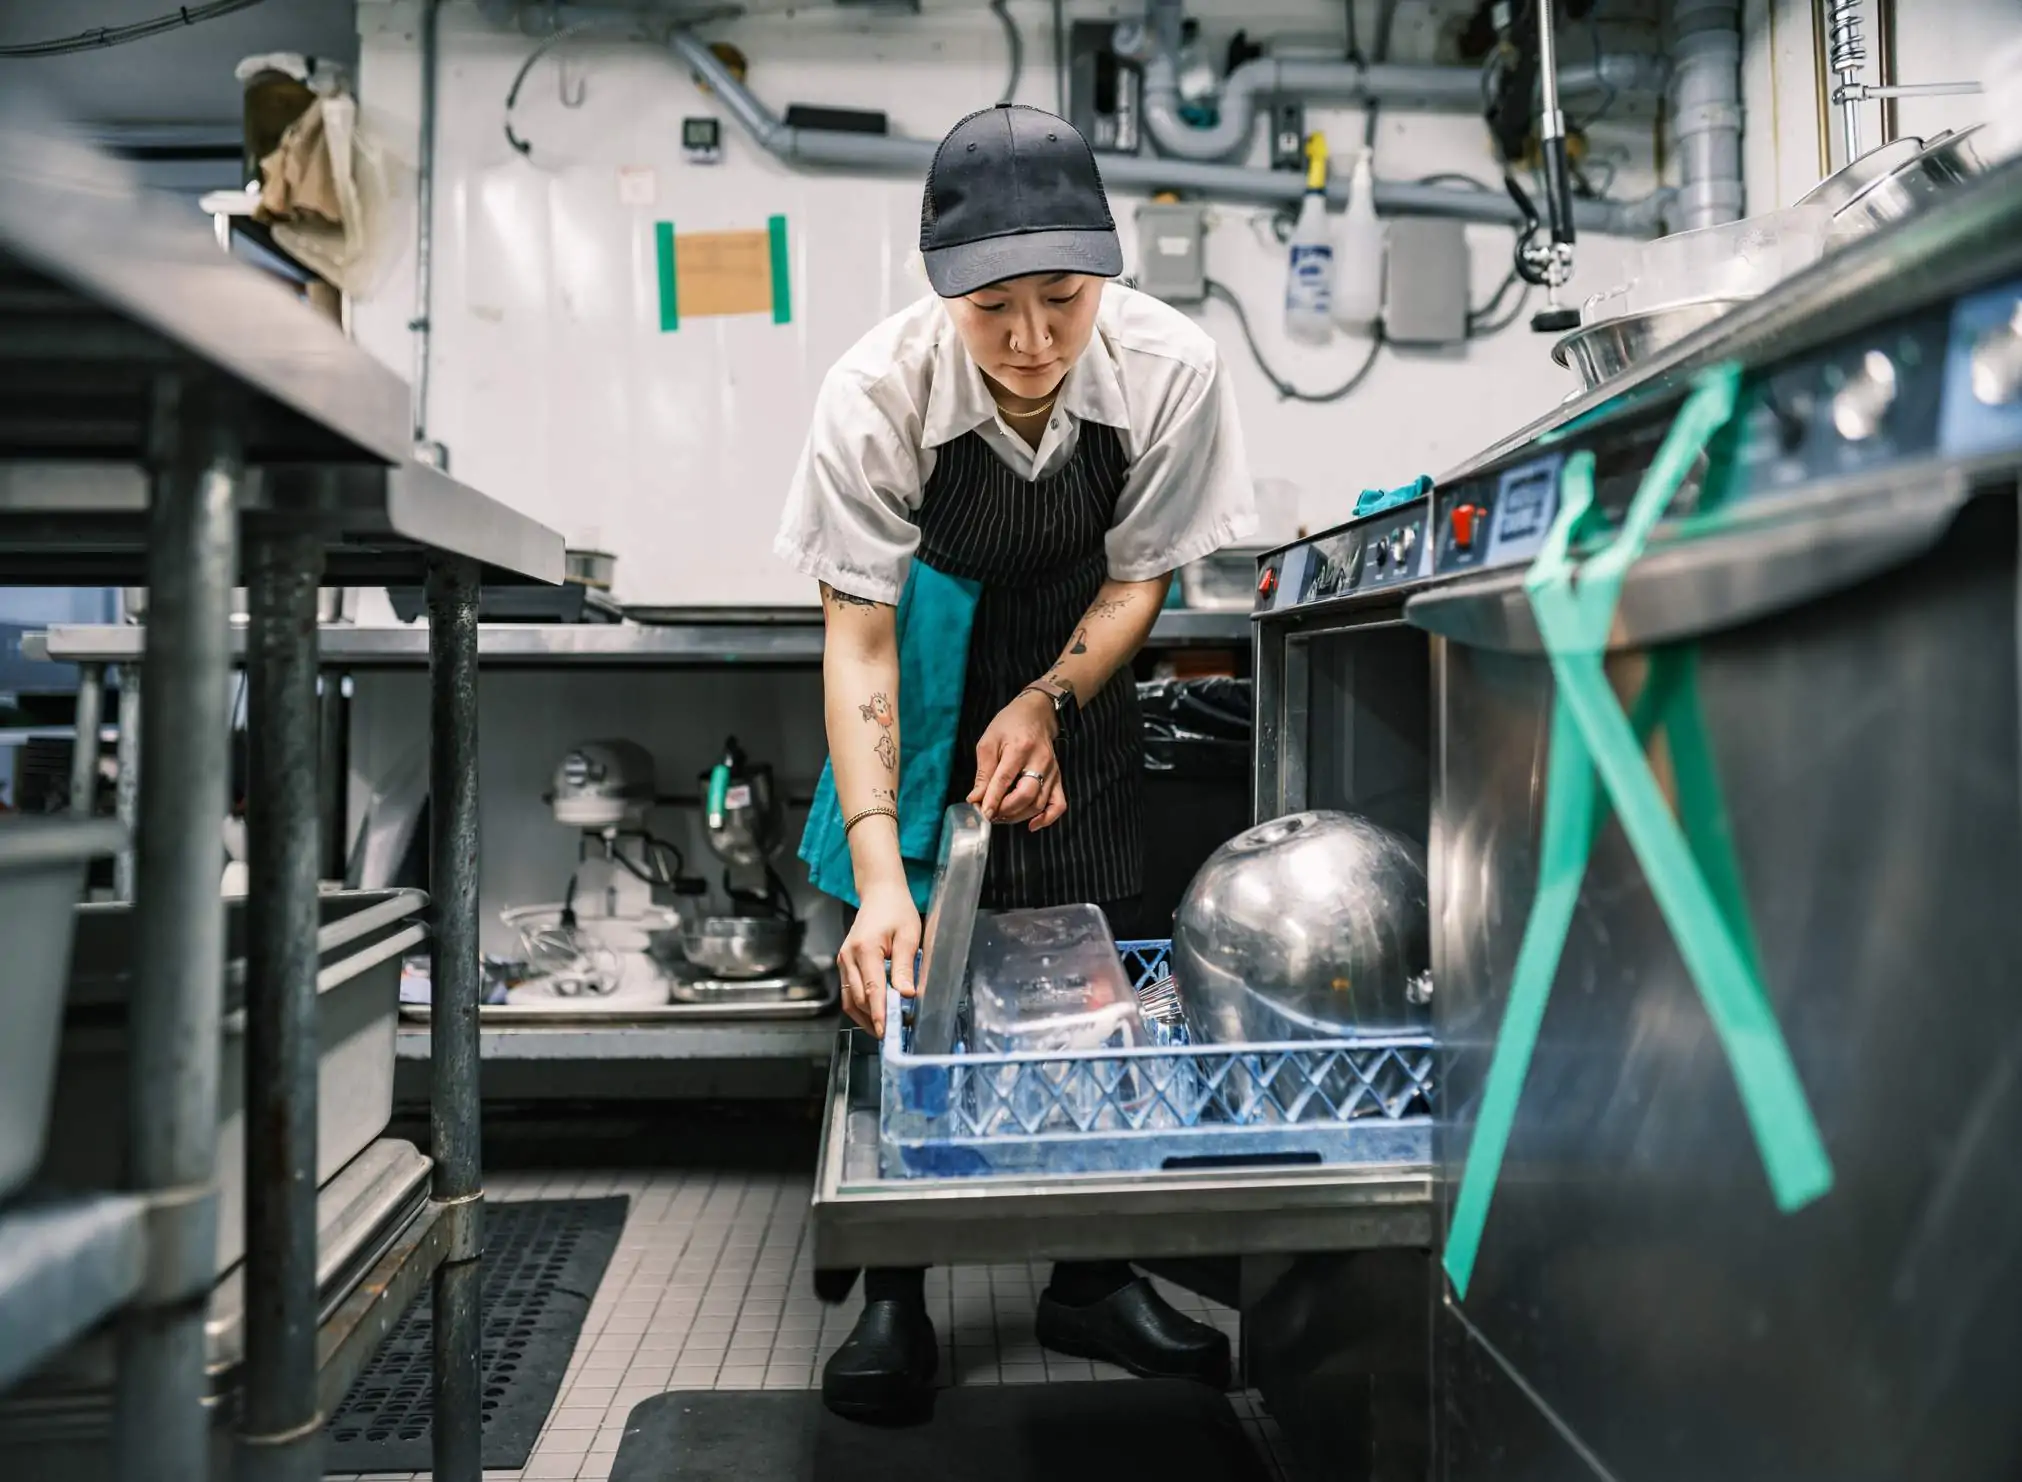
(1310, 926)
(743, 946)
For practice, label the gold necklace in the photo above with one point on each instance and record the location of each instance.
(1035, 412)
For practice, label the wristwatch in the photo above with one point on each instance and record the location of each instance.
(1061, 699)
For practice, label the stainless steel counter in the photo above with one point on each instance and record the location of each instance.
(754, 1039)
(786, 637)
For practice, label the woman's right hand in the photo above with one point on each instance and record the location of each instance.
(887, 929)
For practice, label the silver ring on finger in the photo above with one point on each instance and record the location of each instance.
(1039, 777)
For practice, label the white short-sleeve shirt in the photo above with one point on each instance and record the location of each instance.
(909, 388)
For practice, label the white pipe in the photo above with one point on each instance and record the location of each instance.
(1245, 90)
(895, 154)
(1706, 111)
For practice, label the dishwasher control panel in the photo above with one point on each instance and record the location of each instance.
(1942, 382)
(1391, 549)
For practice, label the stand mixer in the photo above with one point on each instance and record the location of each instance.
(752, 953)
(608, 935)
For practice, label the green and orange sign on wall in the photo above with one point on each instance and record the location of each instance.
(705, 274)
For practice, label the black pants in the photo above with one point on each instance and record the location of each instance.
(1076, 1283)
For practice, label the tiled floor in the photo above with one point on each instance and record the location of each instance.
(711, 1288)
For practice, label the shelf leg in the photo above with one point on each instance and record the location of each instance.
(453, 1028)
(126, 793)
(84, 740)
(160, 1426)
(280, 1426)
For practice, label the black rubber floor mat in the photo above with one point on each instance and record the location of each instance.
(1152, 1430)
(542, 1261)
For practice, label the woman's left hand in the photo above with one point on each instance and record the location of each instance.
(1017, 775)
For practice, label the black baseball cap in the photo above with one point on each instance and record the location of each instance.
(1013, 191)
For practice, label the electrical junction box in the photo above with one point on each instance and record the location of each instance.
(1170, 264)
(1425, 281)
(1288, 135)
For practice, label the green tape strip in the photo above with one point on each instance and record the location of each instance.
(782, 282)
(670, 298)
(1692, 873)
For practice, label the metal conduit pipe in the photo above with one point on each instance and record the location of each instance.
(1706, 111)
(1245, 90)
(424, 237)
(896, 155)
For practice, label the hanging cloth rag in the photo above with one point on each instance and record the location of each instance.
(935, 614)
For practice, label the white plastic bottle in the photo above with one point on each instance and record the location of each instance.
(1309, 277)
(1358, 258)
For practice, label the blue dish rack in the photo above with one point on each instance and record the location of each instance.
(1168, 1104)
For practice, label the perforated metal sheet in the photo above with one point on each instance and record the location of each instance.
(542, 1261)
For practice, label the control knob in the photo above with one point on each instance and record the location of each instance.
(1862, 403)
(1997, 362)
(1401, 543)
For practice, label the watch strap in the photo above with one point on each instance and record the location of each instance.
(1062, 700)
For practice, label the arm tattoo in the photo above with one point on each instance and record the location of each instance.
(1064, 685)
(1110, 606)
(887, 751)
(1080, 642)
(847, 599)
(880, 710)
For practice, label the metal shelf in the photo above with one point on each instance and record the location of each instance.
(770, 641)
(66, 1263)
(796, 1039)
(276, 454)
(120, 316)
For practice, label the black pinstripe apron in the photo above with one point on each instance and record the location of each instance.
(1036, 545)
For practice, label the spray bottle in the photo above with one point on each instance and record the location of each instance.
(1358, 263)
(1309, 280)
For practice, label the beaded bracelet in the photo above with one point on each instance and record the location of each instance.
(856, 818)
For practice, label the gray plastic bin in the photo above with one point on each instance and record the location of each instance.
(364, 935)
(42, 864)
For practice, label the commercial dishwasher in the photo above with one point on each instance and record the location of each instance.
(1816, 662)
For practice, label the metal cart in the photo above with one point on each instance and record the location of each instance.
(272, 451)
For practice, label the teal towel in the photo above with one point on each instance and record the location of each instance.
(1370, 501)
(935, 614)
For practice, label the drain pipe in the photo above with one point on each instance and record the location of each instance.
(1706, 111)
(897, 155)
(1245, 89)
(424, 242)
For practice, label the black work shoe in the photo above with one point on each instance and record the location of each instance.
(885, 1369)
(1136, 1329)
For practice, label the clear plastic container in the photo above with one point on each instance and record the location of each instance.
(1049, 980)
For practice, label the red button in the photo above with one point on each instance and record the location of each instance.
(1462, 519)
(1268, 582)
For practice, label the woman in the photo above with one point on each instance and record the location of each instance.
(1062, 445)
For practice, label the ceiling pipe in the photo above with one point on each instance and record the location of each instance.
(1246, 91)
(898, 155)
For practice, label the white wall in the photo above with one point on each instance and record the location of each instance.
(556, 391)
